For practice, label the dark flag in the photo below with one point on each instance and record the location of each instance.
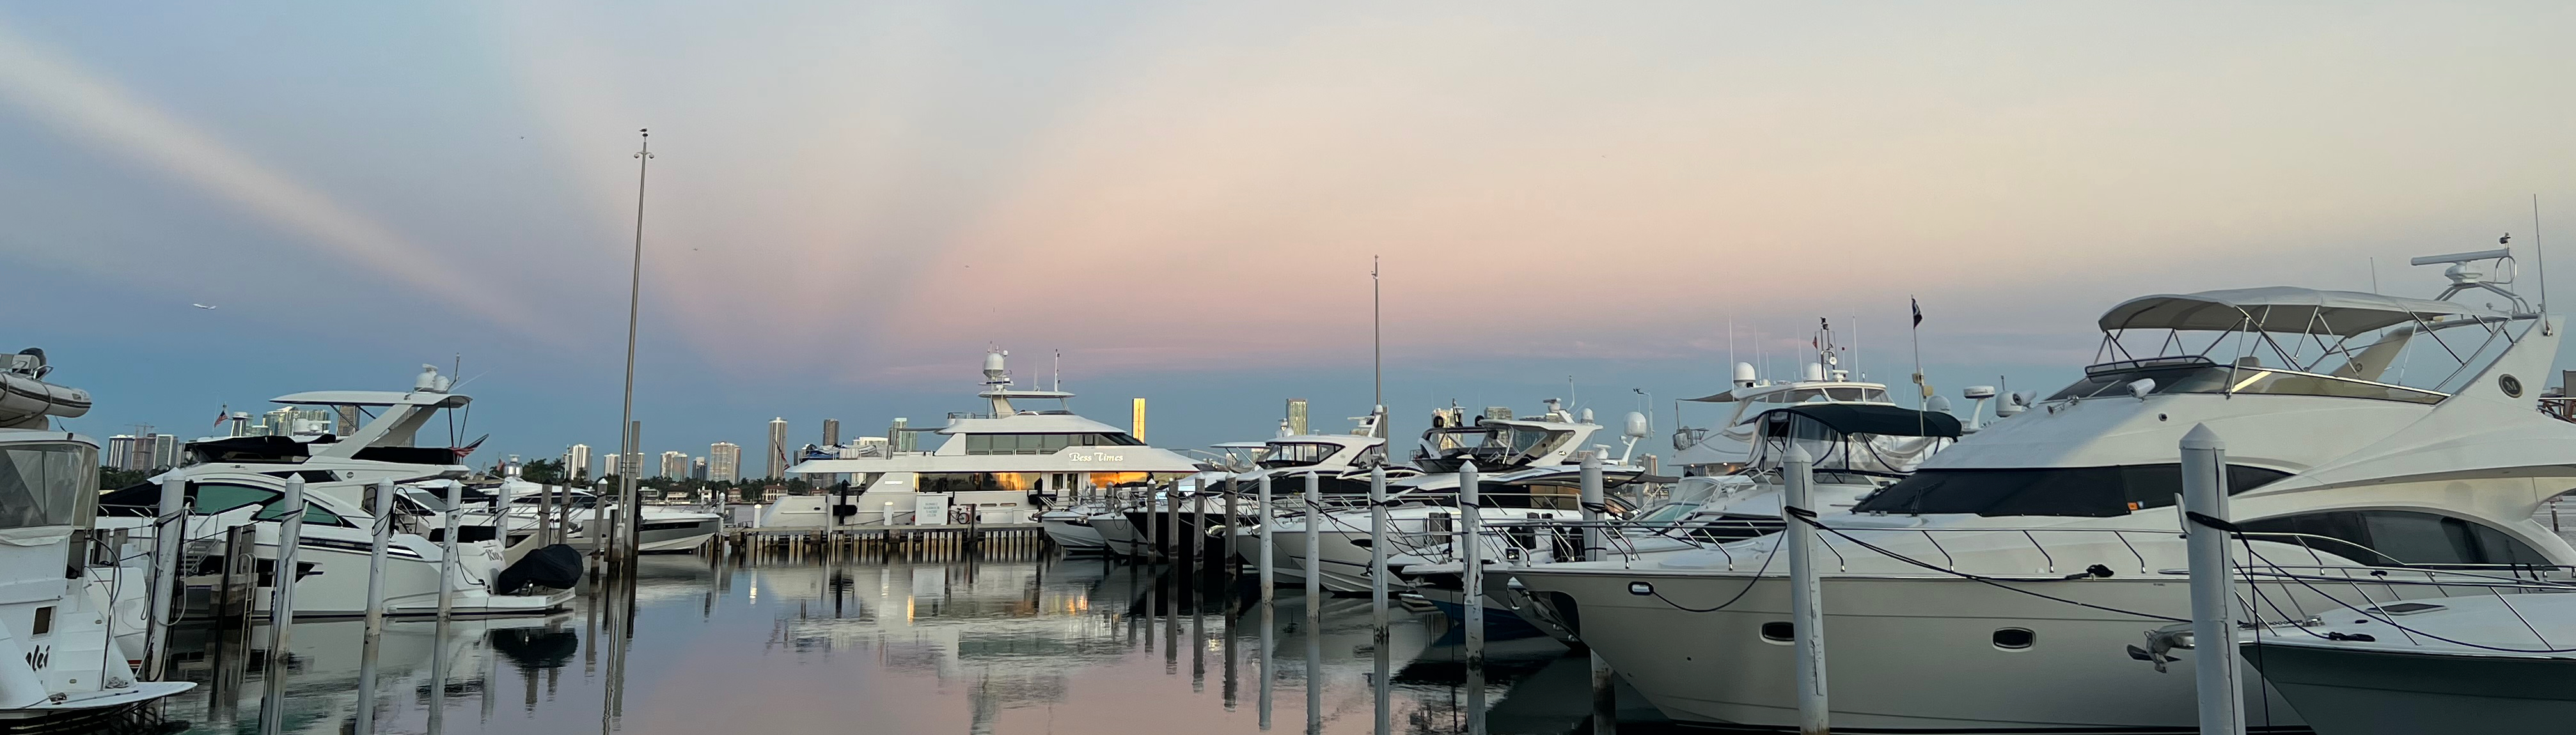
(1918, 310)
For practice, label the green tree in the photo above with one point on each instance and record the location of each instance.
(110, 478)
(543, 471)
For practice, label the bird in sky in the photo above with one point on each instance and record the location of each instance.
(202, 306)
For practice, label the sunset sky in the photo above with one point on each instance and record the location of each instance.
(851, 201)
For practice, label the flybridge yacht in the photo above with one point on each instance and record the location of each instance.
(60, 665)
(1528, 470)
(241, 481)
(2361, 430)
(1728, 447)
(1001, 466)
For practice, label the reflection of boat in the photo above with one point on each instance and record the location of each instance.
(1003, 466)
(241, 482)
(59, 661)
(2402, 434)
(327, 656)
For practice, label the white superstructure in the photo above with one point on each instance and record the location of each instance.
(1003, 465)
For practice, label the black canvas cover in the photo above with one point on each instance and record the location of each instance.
(557, 566)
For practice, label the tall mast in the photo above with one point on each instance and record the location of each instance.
(627, 441)
(1377, 351)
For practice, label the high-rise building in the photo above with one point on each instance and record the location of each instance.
(675, 465)
(724, 462)
(120, 451)
(777, 449)
(698, 469)
(831, 432)
(897, 438)
(1297, 416)
(576, 461)
(165, 451)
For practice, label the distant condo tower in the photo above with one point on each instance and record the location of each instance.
(831, 432)
(1297, 416)
(724, 462)
(777, 449)
(576, 462)
(675, 465)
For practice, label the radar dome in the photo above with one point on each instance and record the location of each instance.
(1636, 428)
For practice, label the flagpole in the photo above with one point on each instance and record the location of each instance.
(1923, 399)
(628, 501)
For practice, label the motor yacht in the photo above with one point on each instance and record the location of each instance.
(236, 482)
(1005, 465)
(1527, 471)
(2492, 659)
(60, 665)
(1982, 592)
(665, 529)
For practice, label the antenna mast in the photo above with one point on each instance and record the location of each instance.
(1377, 350)
(2539, 257)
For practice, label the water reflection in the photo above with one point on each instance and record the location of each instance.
(1028, 645)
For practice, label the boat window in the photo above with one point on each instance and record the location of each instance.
(216, 497)
(1298, 454)
(2399, 536)
(949, 482)
(314, 514)
(44, 484)
(2050, 491)
(2200, 376)
(1041, 443)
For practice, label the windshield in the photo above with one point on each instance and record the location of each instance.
(45, 484)
(1298, 454)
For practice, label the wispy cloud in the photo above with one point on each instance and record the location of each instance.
(84, 104)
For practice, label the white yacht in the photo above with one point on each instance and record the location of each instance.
(2403, 430)
(666, 529)
(1005, 465)
(2496, 663)
(60, 665)
(1527, 471)
(241, 481)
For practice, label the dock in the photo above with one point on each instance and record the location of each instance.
(926, 540)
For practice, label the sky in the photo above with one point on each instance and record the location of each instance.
(849, 203)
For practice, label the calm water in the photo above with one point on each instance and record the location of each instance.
(1028, 645)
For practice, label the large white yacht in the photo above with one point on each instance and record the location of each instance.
(2002, 580)
(1001, 466)
(241, 481)
(60, 666)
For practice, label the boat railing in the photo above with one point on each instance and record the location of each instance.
(2061, 553)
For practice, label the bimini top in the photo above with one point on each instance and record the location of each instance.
(2280, 309)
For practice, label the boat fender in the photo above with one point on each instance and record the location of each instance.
(2092, 572)
(845, 510)
(557, 566)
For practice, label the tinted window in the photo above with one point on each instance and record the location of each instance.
(2399, 536)
(2051, 491)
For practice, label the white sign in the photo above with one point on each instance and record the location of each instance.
(929, 510)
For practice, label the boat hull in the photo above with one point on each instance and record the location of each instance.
(2342, 691)
(1910, 654)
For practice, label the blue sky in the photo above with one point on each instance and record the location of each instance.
(852, 201)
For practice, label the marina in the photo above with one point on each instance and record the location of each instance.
(1126, 368)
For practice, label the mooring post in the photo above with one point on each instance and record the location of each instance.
(1806, 590)
(1605, 694)
(1314, 551)
(1470, 551)
(1269, 550)
(169, 531)
(1377, 593)
(447, 549)
(281, 606)
(2213, 604)
(383, 510)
